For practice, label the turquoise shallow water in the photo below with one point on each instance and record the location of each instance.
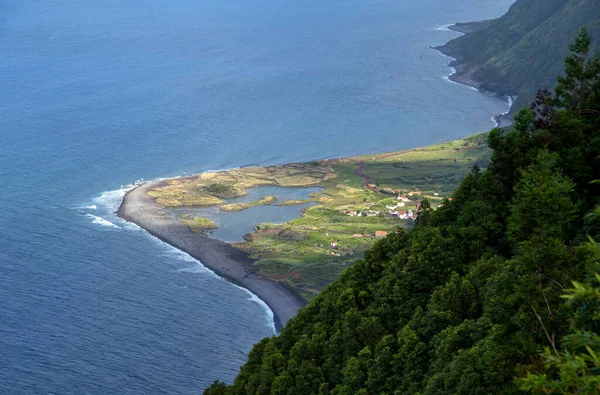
(98, 94)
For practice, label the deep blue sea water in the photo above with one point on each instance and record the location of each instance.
(97, 94)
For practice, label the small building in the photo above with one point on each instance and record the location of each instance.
(352, 213)
(357, 236)
(380, 233)
(399, 204)
(335, 244)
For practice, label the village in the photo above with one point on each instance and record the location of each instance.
(407, 206)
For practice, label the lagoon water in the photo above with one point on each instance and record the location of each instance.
(233, 225)
(98, 94)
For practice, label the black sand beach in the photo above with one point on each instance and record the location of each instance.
(227, 261)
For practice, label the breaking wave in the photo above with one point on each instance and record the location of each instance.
(102, 221)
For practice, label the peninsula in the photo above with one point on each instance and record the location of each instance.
(360, 200)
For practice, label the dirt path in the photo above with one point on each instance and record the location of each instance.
(368, 180)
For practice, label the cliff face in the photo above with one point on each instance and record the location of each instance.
(524, 49)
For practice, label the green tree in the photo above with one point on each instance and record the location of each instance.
(576, 368)
(466, 300)
(578, 90)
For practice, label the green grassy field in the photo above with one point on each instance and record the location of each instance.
(243, 206)
(198, 224)
(309, 252)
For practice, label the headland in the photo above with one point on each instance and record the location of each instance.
(360, 200)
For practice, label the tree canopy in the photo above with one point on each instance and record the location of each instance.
(495, 292)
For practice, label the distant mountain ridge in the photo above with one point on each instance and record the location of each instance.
(523, 50)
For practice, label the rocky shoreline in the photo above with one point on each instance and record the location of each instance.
(464, 75)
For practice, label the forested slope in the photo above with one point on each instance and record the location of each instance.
(466, 301)
(524, 49)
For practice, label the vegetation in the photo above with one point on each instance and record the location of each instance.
(243, 206)
(329, 238)
(332, 239)
(524, 50)
(180, 193)
(209, 189)
(467, 300)
(199, 224)
(224, 191)
(294, 202)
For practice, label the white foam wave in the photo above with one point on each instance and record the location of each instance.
(102, 221)
(445, 28)
(192, 269)
(453, 71)
(510, 101)
(448, 79)
(443, 54)
(111, 200)
(200, 268)
(263, 305)
(92, 207)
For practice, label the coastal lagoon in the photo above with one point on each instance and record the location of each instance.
(233, 225)
(99, 94)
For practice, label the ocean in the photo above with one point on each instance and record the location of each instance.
(96, 95)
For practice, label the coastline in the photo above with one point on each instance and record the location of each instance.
(465, 77)
(227, 261)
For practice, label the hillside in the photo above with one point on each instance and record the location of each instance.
(524, 49)
(467, 300)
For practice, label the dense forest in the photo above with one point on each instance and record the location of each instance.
(524, 49)
(495, 292)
